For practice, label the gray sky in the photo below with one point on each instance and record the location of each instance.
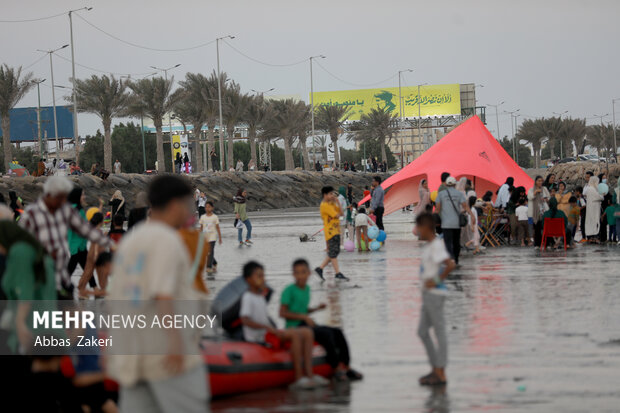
(540, 56)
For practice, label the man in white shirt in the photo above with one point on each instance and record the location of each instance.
(117, 167)
(151, 270)
(503, 195)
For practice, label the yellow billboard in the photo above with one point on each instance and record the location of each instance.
(434, 100)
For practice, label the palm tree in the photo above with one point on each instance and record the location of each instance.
(12, 90)
(106, 97)
(154, 98)
(573, 131)
(331, 119)
(377, 125)
(284, 124)
(602, 138)
(193, 108)
(304, 125)
(254, 116)
(534, 132)
(235, 105)
(553, 130)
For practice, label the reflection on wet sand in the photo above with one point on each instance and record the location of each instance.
(526, 331)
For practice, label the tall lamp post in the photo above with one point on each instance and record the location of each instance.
(50, 53)
(560, 114)
(222, 130)
(39, 136)
(312, 104)
(512, 131)
(498, 137)
(420, 113)
(613, 115)
(401, 111)
(170, 114)
(76, 136)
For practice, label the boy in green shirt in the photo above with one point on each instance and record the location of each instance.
(295, 309)
(610, 213)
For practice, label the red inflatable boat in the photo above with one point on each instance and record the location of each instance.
(241, 367)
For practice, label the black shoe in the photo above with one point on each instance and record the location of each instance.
(340, 276)
(319, 272)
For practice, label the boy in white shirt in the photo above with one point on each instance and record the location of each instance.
(256, 326)
(435, 267)
(522, 221)
(362, 221)
(210, 225)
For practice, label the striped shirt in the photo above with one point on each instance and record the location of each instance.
(50, 229)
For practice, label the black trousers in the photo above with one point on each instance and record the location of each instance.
(80, 258)
(538, 230)
(379, 214)
(334, 343)
(452, 239)
(583, 223)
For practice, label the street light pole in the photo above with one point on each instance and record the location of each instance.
(401, 109)
(219, 100)
(420, 113)
(38, 82)
(613, 115)
(498, 137)
(170, 114)
(50, 53)
(515, 139)
(560, 114)
(312, 105)
(76, 136)
(514, 146)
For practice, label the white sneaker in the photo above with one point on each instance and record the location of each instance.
(320, 381)
(302, 384)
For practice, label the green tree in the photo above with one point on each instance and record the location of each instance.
(284, 124)
(154, 98)
(106, 97)
(303, 126)
(235, 105)
(196, 108)
(573, 131)
(26, 157)
(331, 119)
(254, 117)
(524, 153)
(126, 147)
(602, 138)
(241, 150)
(13, 87)
(534, 132)
(375, 126)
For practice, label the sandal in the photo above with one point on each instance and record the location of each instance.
(433, 380)
(354, 375)
(424, 379)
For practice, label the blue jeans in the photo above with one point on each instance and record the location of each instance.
(248, 225)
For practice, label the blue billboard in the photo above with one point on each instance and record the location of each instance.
(24, 123)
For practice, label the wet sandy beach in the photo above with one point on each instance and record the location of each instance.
(527, 331)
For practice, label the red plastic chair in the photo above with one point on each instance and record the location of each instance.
(553, 227)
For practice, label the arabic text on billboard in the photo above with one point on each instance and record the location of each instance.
(435, 100)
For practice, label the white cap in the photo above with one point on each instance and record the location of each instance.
(451, 181)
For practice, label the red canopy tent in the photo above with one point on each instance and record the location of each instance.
(469, 150)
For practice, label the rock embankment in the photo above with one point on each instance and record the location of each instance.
(266, 190)
(573, 173)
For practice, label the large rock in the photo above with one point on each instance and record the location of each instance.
(266, 190)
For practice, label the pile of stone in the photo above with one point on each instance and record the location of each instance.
(266, 190)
